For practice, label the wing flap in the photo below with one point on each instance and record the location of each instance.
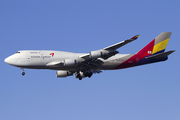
(93, 63)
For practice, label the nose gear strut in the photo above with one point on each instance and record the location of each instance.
(23, 73)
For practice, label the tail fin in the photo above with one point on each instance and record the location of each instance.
(154, 51)
(158, 45)
(161, 42)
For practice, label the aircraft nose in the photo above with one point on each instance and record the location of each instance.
(7, 60)
(10, 60)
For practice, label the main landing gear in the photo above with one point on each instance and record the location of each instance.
(81, 74)
(23, 73)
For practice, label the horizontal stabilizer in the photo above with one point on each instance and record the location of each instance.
(160, 55)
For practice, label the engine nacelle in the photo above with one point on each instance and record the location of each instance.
(98, 53)
(69, 62)
(63, 73)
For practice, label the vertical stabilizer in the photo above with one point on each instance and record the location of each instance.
(161, 42)
(158, 45)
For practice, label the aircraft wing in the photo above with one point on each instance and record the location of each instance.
(120, 44)
(94, 58)
(109, 51)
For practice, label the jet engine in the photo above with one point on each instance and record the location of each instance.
(62, 73)
(98, 53)
(69, 62)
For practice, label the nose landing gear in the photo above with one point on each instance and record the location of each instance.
(23, 73)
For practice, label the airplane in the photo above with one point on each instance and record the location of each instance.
(86, 64)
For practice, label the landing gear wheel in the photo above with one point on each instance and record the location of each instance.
(80, 78)
(90, 74)
(23, 73)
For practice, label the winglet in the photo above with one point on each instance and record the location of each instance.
(135, 37)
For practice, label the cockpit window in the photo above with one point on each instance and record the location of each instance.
(17, 52)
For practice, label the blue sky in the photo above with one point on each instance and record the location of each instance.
(149, 92)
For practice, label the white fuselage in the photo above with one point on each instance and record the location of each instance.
(38, 59)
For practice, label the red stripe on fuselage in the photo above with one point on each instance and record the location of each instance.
(146, 51)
